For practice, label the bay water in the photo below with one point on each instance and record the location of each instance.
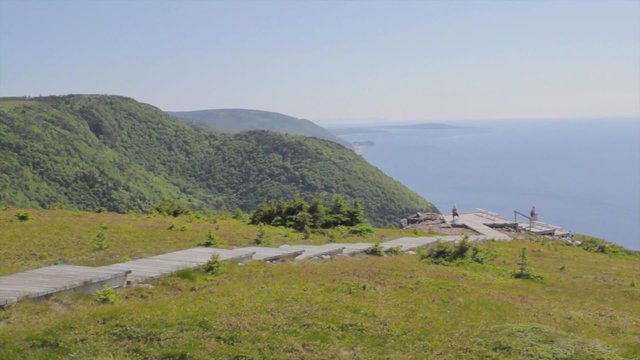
(581, 174)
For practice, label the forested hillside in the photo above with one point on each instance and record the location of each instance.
(232, 121)
(93, 151)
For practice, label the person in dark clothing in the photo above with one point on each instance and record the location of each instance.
(454, 213)
(534, 214)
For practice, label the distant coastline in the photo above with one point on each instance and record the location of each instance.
(359, 146)
(386, 128)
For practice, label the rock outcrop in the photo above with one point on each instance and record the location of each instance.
(419, 218)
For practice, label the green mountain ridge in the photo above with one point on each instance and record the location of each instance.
(231, 121)
(92, 151)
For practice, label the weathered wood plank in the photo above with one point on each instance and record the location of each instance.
(57, 278)
(271, 254)
(158, 266)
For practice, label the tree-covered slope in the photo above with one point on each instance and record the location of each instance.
(91, 151)
(232, 121)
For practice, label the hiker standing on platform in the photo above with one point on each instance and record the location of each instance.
(534, 214)
(454, 213)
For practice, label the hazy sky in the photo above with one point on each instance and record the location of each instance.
(404, 60)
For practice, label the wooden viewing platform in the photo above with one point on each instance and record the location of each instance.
(540, 228)
(481, 221)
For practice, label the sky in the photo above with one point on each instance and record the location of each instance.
(332, 61)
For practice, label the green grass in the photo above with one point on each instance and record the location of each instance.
(67, 236)
(366, 307)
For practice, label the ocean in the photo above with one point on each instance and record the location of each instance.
(581, 174)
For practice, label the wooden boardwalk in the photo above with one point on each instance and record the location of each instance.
(57, 278)
(270, 254)
(162, 265)
(315, 251)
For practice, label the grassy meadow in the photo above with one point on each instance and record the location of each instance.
(365, 307)
(70, 236)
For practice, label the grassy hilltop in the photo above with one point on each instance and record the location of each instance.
(93, 151)
(366, 307)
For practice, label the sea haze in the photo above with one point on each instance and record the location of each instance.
(581, 174)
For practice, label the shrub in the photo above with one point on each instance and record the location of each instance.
(172, 208)
(24, 216)
(597, 245)
(187, 274)
(106, 295)
(393, 251)
(375, 250)
(238, 214)
(361, 230)
(482, 256)
(446, 253)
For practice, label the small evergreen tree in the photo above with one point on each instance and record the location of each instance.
(355, 214)
(265, 213)
(214, 265)
(101, 242)
(106, 295)
(211, 240)
(292, 211)
(261, 237)
(524, 272)
(238, 214)
(523, 263)
(307, 232)
(338, 213)
(301, 221)
(318, 213)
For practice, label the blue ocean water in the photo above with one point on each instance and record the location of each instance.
(583, 175)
